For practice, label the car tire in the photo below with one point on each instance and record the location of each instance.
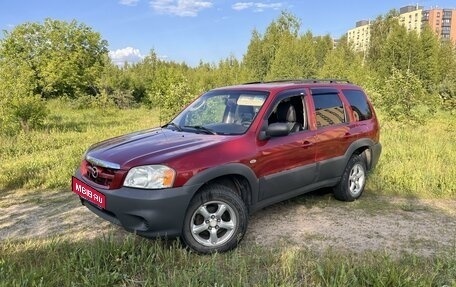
(215, 221)
(353, 181)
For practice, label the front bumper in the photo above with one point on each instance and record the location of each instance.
(148, 213)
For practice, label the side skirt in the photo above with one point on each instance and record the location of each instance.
(284, 196)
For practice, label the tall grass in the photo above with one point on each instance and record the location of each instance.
(416, 160)
(140, 262)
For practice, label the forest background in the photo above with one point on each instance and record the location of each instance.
(407, 75)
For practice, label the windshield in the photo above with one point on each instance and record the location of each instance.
(221, 112)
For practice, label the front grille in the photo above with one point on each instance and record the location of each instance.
(106, 177)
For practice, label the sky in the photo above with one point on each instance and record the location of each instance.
(191, 31)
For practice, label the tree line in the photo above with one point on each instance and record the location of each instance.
(408, 75)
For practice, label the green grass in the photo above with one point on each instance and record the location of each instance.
(418, 161)
(133, 261)
(47, 158)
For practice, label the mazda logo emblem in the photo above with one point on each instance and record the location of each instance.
(93, 172)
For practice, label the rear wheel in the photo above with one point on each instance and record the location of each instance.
(216, 220)
(353, 181)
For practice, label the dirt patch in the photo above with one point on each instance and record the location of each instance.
(419, 226)
(318, 222)
(42, 215)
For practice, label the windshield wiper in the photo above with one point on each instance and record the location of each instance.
(176, 126)
(202, 128)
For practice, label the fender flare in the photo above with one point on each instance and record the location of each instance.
(360, 143)
(211, 173)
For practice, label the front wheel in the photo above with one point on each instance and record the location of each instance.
(353, 180)
(216, 220)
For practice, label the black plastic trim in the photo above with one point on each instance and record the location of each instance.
(376, 150)
(226, 170)
(284, 196)
(149, 213)
(287, 180)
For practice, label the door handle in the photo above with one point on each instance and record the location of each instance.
(306, 144)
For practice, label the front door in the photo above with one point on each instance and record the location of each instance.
(287, 163)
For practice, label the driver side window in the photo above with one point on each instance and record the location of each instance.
(290, 110)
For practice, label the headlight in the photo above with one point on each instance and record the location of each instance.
(150, 177)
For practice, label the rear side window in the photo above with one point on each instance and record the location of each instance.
(359, 105)
(329, 109)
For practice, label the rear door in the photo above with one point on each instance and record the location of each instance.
(333, 132)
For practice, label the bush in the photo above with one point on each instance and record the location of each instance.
(22, 113)
(171, 98)
(123, 99)
(404, 98)
(447, 92)
(82, 102)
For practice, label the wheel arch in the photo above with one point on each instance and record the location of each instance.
(361, 147)
(237, 176)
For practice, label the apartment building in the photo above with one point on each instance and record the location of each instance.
(442, 22)
(414, 18)
(359, 36)
(411, 17)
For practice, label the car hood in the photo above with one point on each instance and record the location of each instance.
(153, 146)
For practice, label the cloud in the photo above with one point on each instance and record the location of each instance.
(242, 5)
(183, 8)
(128, 2)
(128, 54)
(256, 6)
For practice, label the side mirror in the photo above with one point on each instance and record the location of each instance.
(275, 130)
(278, 130)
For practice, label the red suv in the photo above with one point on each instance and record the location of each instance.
(231, 152)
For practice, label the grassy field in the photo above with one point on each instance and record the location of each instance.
(417, 161)
(139, 262)
(47, 158)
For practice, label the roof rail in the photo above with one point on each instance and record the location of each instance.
(251, 83)
(329, 81)
(301, 81)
